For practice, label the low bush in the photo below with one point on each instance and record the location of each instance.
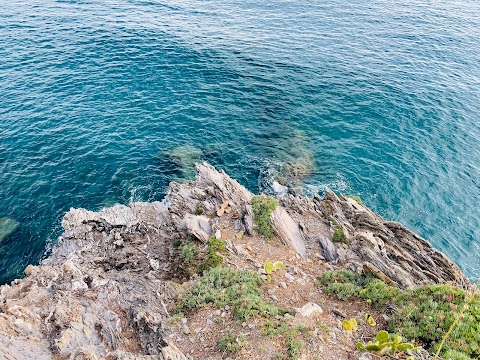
(238, 289)
(339, 235)
(424, 314)
(214, 259)
(188, 253)
(231, 343)
(263, 206)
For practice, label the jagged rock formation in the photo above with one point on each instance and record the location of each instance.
(383, 248)
(102, 292)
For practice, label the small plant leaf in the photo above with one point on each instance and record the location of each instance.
(373, 347)
(268, 267)
(370, 320)
(397, 339)
(277, 265)
(382, 336)
(406, 346)
(359, 346)
(350, 325)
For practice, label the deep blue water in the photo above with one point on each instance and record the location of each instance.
(384, 96)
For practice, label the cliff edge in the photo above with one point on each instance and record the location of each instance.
(112, 286)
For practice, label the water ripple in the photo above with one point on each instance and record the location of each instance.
(95, 96)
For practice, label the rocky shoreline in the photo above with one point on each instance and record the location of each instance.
(110, 287)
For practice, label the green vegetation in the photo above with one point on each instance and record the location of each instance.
(176, 318)
(231, 343)
(281, 328)
(263, 206)
(198, 209)
(238, 289)
(214, 259)
(356, 198)
(270, 267)
(188, 253)
(386, 343)
(339, 235)
(293, 347)
(177, 243)
(424, 314)
(455, 355)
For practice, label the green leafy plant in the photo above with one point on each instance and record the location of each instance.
(238, 289)
(339, 235)
(270, 267)
(263, 206)
(350, 325)
(386, 343)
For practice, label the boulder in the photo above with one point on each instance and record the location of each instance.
(288, 230)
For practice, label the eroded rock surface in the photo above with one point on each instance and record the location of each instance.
(102, 294)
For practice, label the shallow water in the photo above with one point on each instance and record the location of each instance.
(95, 97)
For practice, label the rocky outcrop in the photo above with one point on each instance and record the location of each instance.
(371, 244)
(105, 291)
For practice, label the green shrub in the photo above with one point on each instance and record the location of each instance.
(177, 243)
(214, 259)
(188, 253)
(339, 235)
(455, 355)
(427, 312)
(294, 347)
(199, 209)
(231, 343)
(238, 289)
(343, 291)
(281, 328)
(340, 275)
(263, 206)
(424, 313)
(378, 293)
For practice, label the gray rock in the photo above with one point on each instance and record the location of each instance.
(198, 226)
(247, 219)
(186, 329)
(288, 230)
(310, 310)
(83, 297)
(328, 249)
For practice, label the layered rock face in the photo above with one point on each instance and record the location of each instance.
(103, 291)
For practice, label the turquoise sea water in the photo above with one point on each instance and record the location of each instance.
(95, 95)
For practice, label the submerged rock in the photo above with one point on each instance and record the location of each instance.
(7, 226)
(185, 157)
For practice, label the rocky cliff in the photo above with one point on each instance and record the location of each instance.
(109, 289)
